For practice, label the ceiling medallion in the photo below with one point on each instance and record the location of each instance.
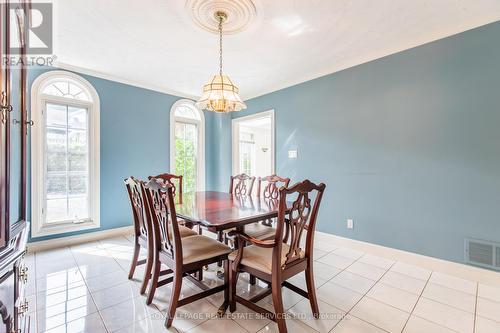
(240, 14)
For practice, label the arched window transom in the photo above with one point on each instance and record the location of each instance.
(68, 89)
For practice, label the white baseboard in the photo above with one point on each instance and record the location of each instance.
(78, 239)
(459, 270)
(467, 272)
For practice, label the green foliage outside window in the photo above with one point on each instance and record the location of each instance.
(185, 163)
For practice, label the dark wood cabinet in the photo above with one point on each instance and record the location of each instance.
(14, 20)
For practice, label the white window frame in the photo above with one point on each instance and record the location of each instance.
(38, 102)
(200, 165)
(236, 139)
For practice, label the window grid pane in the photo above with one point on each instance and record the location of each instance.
(67, 163)
(66, 89)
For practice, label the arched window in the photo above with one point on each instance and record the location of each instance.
(187, 144)
(65, 154)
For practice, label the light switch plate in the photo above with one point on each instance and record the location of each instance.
(292, 153)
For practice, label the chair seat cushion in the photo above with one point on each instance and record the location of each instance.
(259, 231)
(260, 258)
(198, 248)
(186, 232)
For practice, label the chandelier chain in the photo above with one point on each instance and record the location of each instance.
(220, 44)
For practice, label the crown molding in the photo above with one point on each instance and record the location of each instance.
(113, 78)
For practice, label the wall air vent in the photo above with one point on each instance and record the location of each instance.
(482, 253)
(498, 257)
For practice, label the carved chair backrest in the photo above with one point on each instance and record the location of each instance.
(160, 203)
(138, 204)
(241, 184)
(272, 185)
(304, 199)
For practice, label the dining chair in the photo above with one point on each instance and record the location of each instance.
(142, 230)
(268, 190)
(277, 260)
(239, 185)
(183, 256)
(259, 230)
(171, 179)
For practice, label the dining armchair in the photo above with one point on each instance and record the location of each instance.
(277, 260)
(183, 256)
(143, 236)
(268, 190)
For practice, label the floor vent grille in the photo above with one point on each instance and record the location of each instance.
(482, 253)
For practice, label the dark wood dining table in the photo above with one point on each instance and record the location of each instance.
(218, 211)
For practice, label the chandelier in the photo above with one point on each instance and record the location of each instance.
(220, 94)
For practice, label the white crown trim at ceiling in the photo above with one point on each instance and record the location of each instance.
(137, 84)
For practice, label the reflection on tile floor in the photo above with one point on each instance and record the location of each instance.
(84, 288)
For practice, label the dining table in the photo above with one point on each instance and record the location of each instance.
(219, 211)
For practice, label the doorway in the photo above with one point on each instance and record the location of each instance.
(253, 144)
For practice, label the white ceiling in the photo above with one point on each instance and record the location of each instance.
(155, 44)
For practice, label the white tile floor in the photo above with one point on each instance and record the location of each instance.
(85, 288)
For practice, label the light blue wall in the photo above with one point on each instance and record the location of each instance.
(134, 141)
(408, 145)
(218, 151)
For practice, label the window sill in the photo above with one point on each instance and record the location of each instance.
(48, 230)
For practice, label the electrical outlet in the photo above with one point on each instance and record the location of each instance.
(350, 223)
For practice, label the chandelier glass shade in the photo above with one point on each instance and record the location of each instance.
(221, 94)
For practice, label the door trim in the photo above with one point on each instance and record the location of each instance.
(234, 138)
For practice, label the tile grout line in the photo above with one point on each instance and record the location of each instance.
(418, 299)
(475, 308)
(449, 305)
(316, 260)
(88, 290)
(244, 329)
(66, 290)
(438, 324)
(154, 306)
(364, 295)
(340, 271)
